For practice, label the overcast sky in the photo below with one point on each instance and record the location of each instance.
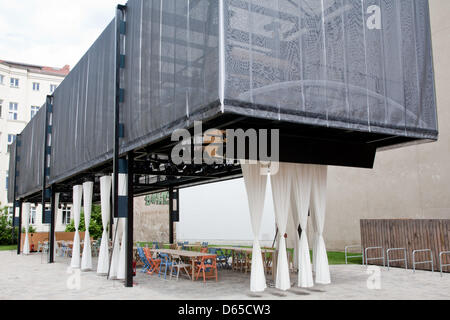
(51, 32)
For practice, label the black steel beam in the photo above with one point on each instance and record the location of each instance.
(44, 163)
(171, 237)
(14, 188)
(51, 255)
(19, 233)
(130, 223)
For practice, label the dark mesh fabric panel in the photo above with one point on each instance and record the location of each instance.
(362, 65)
(31, 154)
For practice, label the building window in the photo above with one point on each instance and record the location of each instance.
(52, 88)
(13, 111)
(36, 86)
(1, 79)
(66, 216)
(1, 107)
(11, 138)
(34, 111)
(14, 82)
(32, 216)
(7, 180)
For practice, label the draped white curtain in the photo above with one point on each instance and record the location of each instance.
(121, 270)
(301, 188)
(318, 210)
(256, 184)
(105, 194)
(123, 191)
(86, 259)
(56, 215)
(76, 212)
(281, 191)
(116, 249)
(26, 213)
(292, 230)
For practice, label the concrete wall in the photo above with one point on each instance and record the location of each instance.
(151, 222)
(411, 182)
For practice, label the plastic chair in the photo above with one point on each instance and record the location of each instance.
(147, 266)
(154, 263)
(166, 263)
(178, 264)
(222, 259)
(208, 265)
(156, 245)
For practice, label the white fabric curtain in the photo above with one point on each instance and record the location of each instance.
(116, 249)
(76, 212)
(86, 259)
(123, 191)
(281, 191)
(256, 184)
(56, 215)
(26, 213)
(105, 194)
(121, 269)
(301, 188)
(318, 206)
(292, 230)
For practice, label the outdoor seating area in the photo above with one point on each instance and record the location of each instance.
(199, 260)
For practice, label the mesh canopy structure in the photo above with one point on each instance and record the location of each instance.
(361, 71)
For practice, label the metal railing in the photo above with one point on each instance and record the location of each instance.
(405, 259)
(377, 258)
(423, 262)
(440, 260)
(354, 256)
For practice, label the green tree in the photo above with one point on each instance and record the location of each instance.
(95, 227)
(7, 236)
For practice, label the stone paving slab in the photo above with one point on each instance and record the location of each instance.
(30, 278)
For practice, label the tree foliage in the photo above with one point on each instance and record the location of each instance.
(95, 227)
(7, 236)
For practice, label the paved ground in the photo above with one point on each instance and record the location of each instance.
(29, 277)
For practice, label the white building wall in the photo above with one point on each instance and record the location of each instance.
(25, 97)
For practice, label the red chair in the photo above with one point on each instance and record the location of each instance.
(154, 263)
(208, 266)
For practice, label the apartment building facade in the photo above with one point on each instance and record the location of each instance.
(23, 90)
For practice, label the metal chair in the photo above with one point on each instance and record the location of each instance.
(178, 264)
(154, 263)
(166, 263)
(147, 265)
(208, 264)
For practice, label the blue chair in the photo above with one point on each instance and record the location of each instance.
(156, 244)
(222, 259)
(147, 265)
(166, 263)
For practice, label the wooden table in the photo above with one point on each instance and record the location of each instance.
(248, 251)
(191, 255)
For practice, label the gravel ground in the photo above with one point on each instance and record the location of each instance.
(30, 277)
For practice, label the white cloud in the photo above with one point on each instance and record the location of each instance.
(51, 32)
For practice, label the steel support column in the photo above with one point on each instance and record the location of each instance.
(51, 255)
(171, 222)
(130, 223)
(19, 233)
